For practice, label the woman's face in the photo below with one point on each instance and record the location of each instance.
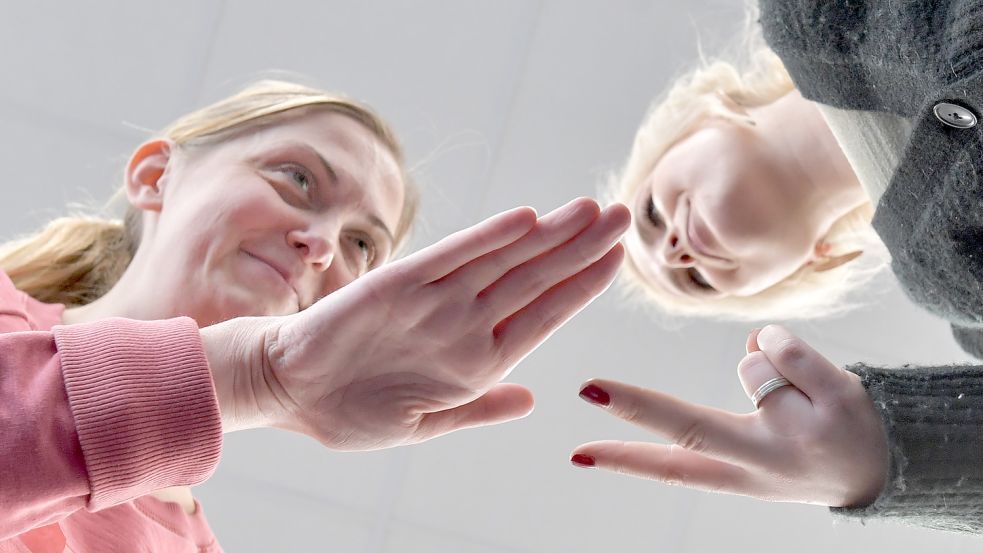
(268, 222)
(718, 215)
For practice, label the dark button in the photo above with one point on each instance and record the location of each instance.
(954, 115)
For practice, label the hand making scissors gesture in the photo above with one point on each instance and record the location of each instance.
(817, 439)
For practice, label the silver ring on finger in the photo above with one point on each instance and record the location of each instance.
(768, 387)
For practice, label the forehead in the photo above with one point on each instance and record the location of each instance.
(352, 144)
(353, 151)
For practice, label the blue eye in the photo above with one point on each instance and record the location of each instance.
(299, 176)
(366, 248)
(301, 179)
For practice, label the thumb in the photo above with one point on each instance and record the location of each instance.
(803, 366)
(502, 403)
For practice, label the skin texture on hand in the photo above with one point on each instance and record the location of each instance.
(820, 441)
(418, 348)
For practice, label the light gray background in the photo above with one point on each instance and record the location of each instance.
(502, 103)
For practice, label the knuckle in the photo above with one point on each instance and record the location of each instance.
(672, 474)
(673, 477)
(747, 365)
(533, 282)
(693, 437)
(550, 321)
(792, 352)
(630, 410)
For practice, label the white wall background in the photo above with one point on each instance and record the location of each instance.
(503, 102)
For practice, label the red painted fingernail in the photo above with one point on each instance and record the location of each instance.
(582, 460)
(594, 394)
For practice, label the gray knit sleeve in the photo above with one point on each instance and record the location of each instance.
(933, 417)
(970, 339)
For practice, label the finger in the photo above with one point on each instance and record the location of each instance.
(711, 432)
(525, 283)
(669, 464)
(550, 231)
(436, 261)
(752, 341)
(502, 403)
(754, 371)
(803, 366)
(523, 332)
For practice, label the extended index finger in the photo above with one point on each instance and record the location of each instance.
(711, 432)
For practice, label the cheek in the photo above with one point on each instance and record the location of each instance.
(214, 220)
(744, 200)
(741, 212)
(773, 264)
(250, 208)
(664, 193)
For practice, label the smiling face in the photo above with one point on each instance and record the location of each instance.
(268, 221)
(719, 216)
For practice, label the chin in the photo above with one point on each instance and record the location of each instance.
(241, 305)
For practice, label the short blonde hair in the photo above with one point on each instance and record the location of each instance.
(703, 93)
(75, 260)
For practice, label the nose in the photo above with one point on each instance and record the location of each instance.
(316, 251)
(673, 252)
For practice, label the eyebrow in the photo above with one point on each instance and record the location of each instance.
(373, 219)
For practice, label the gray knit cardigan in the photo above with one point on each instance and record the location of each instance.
(903, 57)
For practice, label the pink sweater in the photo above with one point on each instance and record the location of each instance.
(93, 417)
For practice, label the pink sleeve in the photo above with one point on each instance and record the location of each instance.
(20, 312)
(97, 414)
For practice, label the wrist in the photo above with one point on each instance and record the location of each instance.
(234, 352)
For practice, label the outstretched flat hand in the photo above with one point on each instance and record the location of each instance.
(819, 441)
(418, 348)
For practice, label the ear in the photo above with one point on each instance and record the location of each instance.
(825, 262)
(734, 107)
(145, 174)
(731, 104)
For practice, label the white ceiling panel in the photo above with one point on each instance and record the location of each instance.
(250, 515)
(108, 62)
(298, 464)
(49, 162)
(411, 538)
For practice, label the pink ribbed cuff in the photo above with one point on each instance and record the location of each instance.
(144, 405)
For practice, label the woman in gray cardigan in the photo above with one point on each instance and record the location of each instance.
(875, 443)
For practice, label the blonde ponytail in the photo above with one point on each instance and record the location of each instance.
(73, 260)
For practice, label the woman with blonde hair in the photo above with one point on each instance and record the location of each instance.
(745, 206)
(900, 84)
(245, 288)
